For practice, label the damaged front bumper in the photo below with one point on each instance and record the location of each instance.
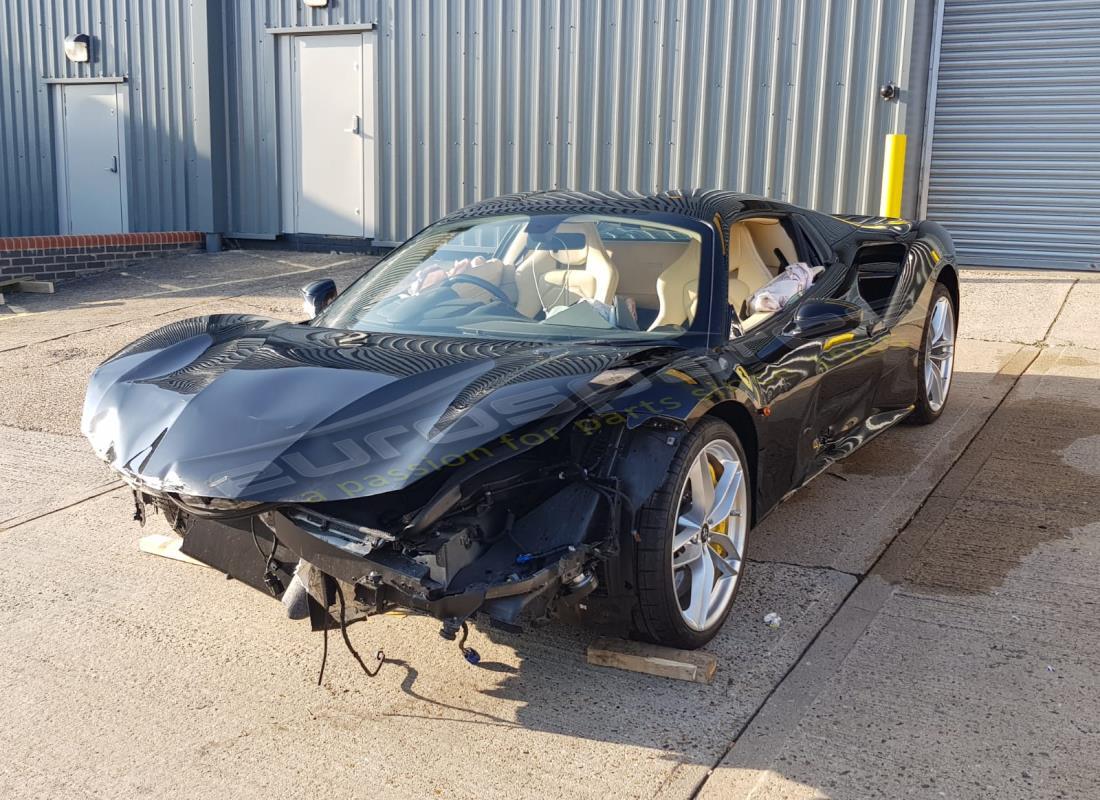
(385, 577)
(521, 574)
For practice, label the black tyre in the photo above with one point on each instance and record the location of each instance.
(936, 363)
(693, 530)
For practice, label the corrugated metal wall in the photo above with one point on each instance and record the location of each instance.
(1015, 169)
(149, 42)
(490, 96)
(484, 97)
(27, 202)
(779, 99)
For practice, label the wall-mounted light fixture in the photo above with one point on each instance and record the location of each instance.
(316, 3)
(78, 47)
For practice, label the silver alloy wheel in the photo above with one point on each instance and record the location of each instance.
(709, 545)
(939, 354)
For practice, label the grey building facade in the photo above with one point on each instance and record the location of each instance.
(370, 118)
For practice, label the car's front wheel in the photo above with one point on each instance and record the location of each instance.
(691, 556)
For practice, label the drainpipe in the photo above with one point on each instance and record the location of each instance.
(207, 188)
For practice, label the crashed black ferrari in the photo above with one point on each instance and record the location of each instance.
(546, 404)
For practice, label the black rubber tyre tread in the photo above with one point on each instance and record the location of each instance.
(658, 619)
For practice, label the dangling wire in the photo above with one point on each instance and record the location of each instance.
(468, 653)
(324, 652)
(380, 656)
(271, 577)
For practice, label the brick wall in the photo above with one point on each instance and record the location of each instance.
(59, 257)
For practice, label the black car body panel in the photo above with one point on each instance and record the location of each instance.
(323, 414)
(453, 474)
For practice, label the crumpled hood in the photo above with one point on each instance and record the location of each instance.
(251, 408)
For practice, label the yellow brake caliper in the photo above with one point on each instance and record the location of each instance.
(723, 526)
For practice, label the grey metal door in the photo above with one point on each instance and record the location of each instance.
(1015, 160)
(92, 159)
(331, 122)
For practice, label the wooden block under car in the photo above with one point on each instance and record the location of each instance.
(159, 544)
(666, 662)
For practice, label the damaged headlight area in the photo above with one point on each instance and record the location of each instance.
(519, 541)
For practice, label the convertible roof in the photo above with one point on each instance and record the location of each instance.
(701, 204)
(713, 206)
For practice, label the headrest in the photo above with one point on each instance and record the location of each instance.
(763, 221)
(573, 258)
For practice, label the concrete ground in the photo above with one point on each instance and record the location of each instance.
(938, 592)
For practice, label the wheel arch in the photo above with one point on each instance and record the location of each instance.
(949, 277)
(741, 420)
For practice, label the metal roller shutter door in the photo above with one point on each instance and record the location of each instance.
(1015, 159)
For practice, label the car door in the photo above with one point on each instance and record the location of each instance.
(850, 364)
(800, 381)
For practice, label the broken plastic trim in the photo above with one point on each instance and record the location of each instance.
(346, 535)
(218, 508)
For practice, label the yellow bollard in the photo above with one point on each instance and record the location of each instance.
(893, 175)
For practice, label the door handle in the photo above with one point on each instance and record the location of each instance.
(114, 165)
(354, 124)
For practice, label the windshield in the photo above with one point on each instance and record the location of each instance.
(544, 277)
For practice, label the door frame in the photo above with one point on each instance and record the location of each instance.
(57, 114)
(930, 111)
(287, 123)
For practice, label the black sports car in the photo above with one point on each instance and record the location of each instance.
(548, 403)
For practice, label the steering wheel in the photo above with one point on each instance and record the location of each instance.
(481, 283)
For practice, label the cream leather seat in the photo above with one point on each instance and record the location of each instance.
(762, 238)
(770, 236)
(678, 286)
(678, 289)
(562, 277)
(745, 262)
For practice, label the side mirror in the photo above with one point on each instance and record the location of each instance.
(317, 296)
(826, 317)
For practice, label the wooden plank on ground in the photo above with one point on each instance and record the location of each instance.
(159, 544)
(665, 662)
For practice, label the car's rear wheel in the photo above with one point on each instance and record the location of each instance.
(691, 556)
(936, 363)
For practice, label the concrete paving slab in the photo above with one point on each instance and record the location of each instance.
(976, 676)
(1079, 322)
(1013, 306)
(165, 285)
(158, 677)
(845, 517)
(39, 470)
